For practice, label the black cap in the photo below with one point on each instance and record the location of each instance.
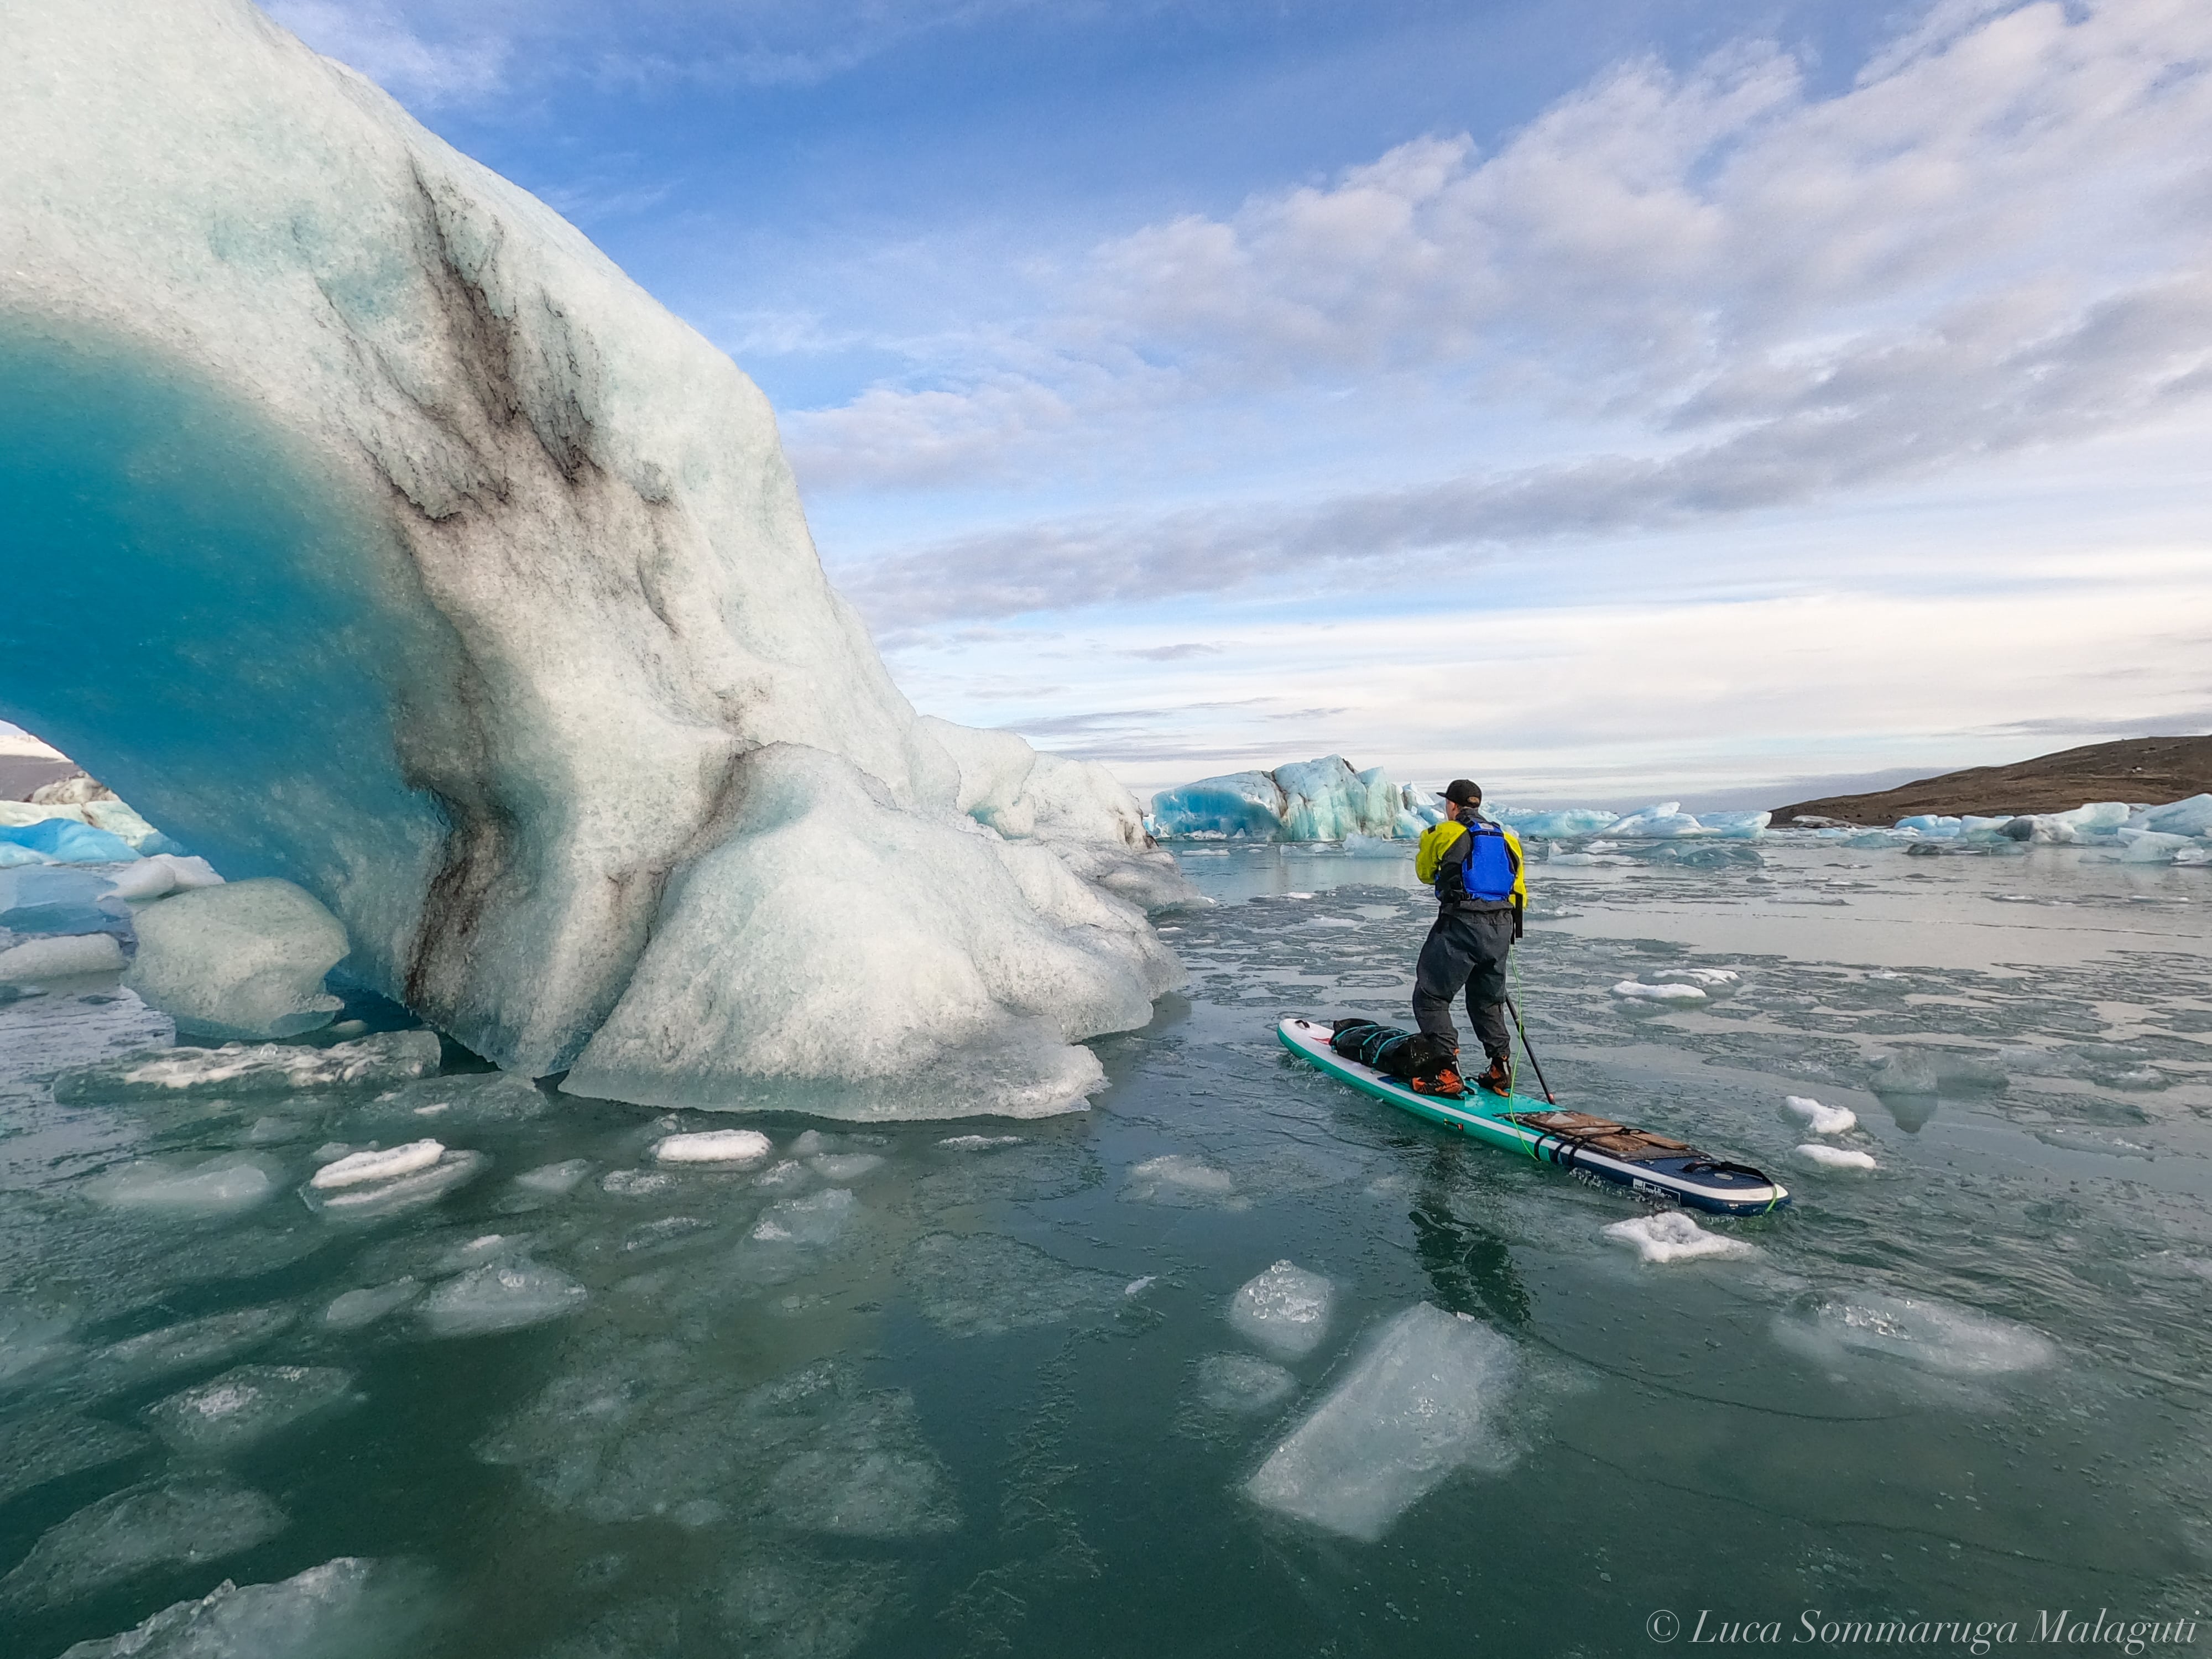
(1461, 792)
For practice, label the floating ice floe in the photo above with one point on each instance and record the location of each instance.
(1241, 1383)
(378, 1061)
(356, 1309)
(1708, 980)
(225, 1185)
(554, 1180)
(978, 1143)
(651, 1433)
(1822, 1120)
(246, 1404)
(68, 956)
(500, 1296)
(242, 959)
(421, 1183)
(1672, 1236)
(359, 1168)
(182, 1521)
(1916, 1331)
(1633, 991)
(730, 1146)
(987, 1284)
(347, 1609)
(1285, 1309)
(1422, 1402)
(1179, 1180)
(1834, 1157)
(194, 1342)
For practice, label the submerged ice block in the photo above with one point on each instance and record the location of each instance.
(464, 584)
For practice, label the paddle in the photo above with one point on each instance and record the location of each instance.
(1531, 1053)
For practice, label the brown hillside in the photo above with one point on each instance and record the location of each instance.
(2145, 769)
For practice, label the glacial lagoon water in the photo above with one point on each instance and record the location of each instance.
(1040, 1387)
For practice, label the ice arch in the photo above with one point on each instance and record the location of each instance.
(365, 526)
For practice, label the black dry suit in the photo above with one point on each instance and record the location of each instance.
(1476, 869)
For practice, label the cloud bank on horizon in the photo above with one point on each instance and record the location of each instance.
(1661, 411)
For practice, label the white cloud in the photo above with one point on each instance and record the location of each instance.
(1747, 294)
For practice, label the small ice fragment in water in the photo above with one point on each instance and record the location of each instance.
(192, 1519)
(1708, 978)
(194, 1342)
(365, 1307)
(713, 1146)
(358, 1168)
(1137, 1286)
(978, 1143)
(1416, 1406)
(1916, 1331)
(634, 1183)
(1835, 1157)
(1671, 1236)
(245, 1404)
(1178, 1180)
(504, 1297)
(1285, 1310)
(221, 1186)
(1638, 993)
(987, 1284)
(554, 1179)
(814, 1221)
(1240, 1384)
(384, 1198)
(269, 1068)
(348, 1608)
(1822, 1120)
(789, 1173)
(843, 1166)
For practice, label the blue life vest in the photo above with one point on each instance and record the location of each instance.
(1486, 874)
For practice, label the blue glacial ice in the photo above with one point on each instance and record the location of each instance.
(1323, 799)
(468, 590)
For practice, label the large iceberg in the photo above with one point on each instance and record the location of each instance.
(468, 589)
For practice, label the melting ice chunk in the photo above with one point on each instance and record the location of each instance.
(735, 1146)
(1633, 991)
(194, 1342)
(1822, 1120)
(1240, 1384)
(987, 1284)
(374, 1062)
(240, 959)
(1416, 1406)
(843, 1166)
(246, 1404)
(349, 1608)
(218, 1186)
(552, 1180)
(1175, 1179)
(64, 956)
(190, 1519)
(978, 1143)
(359, 1168)
(1834, 1157)
(1916, 1331)
(1671, 1236)
(356, 1309)
(502, 1297)
(1285, 1310)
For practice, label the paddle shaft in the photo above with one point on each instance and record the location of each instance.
(1534, 1062)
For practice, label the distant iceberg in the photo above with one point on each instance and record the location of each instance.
(447, 576)
(1327, 801)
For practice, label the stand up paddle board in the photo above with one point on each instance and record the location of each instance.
(1594, 1149)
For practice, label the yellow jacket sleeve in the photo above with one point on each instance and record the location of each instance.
(1436, 841)
(1520, 873)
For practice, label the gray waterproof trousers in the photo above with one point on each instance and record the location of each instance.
(1467, 947)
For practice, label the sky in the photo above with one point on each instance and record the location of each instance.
(1615, 401)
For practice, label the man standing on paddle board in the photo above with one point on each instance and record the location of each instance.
(1475, 867)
